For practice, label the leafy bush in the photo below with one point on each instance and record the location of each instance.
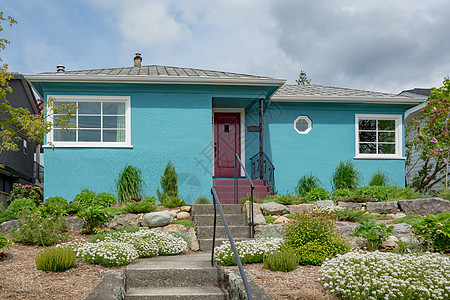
(54, 205)
(114, 210)
(315, 252)
(38, 229)
(318, 194)
(4, 241)
(374, 194)
(286, 260)
(94, 218)
(250, 251)
(56, 259)
(345, 176)
(373, 233)
(74, 207)
(85, 197)
(169, 183)
(187, 223)
(375, 275)
(19, 205)
(247, 198)
(379, 178)
(342, 193)
(104, 199)
(269, 219)
(434, 231)
(350, 215)
(146, 205)
(409, 219)
(306, 183)
(129, 184)
(286, 199)
(444, 194)
(20, 191)
(203, 200)
(172, 201)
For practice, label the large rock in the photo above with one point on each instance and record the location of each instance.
(324, 203)
(157, 219)
(256, 208)
(281, 220)
(276, 230)
(350, 205)
(111, 286)
(6, 226)
(389, 244)
(183, 230)
(125, 220)
(186, 208)
(300, 208)
(183, 215)
(382, 207)
(73, 223)
(425, 206)
(273, 208)
(259, 220)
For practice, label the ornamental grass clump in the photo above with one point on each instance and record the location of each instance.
(251, 251)
(56, 259)
(306, 183)
(346, 176)
(286, 260)
(376, 275)
(130, 184)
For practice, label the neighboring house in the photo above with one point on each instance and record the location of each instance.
(20, 166)
(198, 119)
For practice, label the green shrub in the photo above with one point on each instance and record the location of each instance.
(434, 231)
(56, 259)
(54, 205)
(269, 219)
(315, 252)
(345, 176)
(172, 201)
(169, 183)
(187, 223)
(114, 210)
(74, 207)
(351, 215)
(342, 193)
(85, 197)
(94, 218)
(291, 216)
(140, 207)
(444, 194)
(306, 183)
(318, 194)
(286, 199)
(356, 199)
(20, 191)
(129, 185)
(98, 237)
(34, 228)
(104, 199)
(247, 198)
(286, 260)
(203, 200)
(4, 241)
(379, 178)
(409, 219)
(374, 234)
(19, 205)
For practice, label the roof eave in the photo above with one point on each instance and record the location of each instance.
(340, 99)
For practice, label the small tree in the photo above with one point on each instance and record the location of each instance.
(430, 132)
(303, 79)
(169, 182)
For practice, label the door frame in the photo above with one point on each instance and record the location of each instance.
(241, 112)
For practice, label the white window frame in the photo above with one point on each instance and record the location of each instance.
(93, 98)
(398, 136)
(308, 120)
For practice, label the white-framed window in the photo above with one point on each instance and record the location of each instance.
(302, 124)
(378, 136)
(99, 121)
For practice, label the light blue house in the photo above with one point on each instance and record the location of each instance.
(199, 119)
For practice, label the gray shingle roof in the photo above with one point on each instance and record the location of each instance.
(326, 91)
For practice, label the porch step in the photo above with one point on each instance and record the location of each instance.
(208, 209)
(225, 189)
(204, 232)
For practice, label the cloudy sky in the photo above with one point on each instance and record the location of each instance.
(379, 45)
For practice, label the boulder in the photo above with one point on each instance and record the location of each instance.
(276, 230)
(389, 244)
(184, 230)
(73, 223)
(424, 206)
(183, 215)
(157, 219)
(6, 226)
(281, 220)
(382, 207)
(124, 220)
(324, 203)
(186, 208)
(350, 205)
(300, 208)
(174, 213)
(273, 208)
(259, 220)
(256, 208)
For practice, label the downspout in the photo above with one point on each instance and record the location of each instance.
(261, 140)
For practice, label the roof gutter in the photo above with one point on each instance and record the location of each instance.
(340, 99)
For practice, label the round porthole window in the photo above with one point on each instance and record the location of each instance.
(302, 124)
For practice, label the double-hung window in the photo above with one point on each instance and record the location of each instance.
(378, 136)
(99, 121)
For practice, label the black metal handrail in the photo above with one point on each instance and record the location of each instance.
(230, 238)
(236, 190)
(268, 170)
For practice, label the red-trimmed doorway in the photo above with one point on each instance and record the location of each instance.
(227, 142)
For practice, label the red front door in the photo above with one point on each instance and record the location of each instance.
(227, 142)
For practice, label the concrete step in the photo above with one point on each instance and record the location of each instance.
(206, 244)
(205, 209)
(182, 293)
(206, 232)
(208, 220)
(189, 270)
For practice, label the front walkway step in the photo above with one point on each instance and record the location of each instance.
(206, 244)
(206, 209)
(204, 232)
(188, 293)
(208, 220)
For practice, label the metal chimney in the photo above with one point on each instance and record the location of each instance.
(137, 60)
(60, 68)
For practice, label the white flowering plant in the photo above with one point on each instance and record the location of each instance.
(377, 275)
(250, 251)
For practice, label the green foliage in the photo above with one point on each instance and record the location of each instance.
(380, 178)
(444, 194)
(434, 231)
(4, 241)
(129, 185)
(74, 207)
(374, 194)
(85, 197)
(346, 176)
(306, 183)
(38, 229)
(315, 252)
(169, 183)
(342, 193)
(139, 207)
(101, 236)
(350, 215)
(19, 205)
(56, 259)
(291, 216)
(104, 199)
(269, 219)
(20, 191)
(203, 200)
(409, 219)
(286, 199)
(54, 205)
(402, 247)
(114, 210)
(247, 198)
(187, 223)
(303, 79)
(318, 194)
(373, 233)
(94, 218)
(172, 201)
(286, 260)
